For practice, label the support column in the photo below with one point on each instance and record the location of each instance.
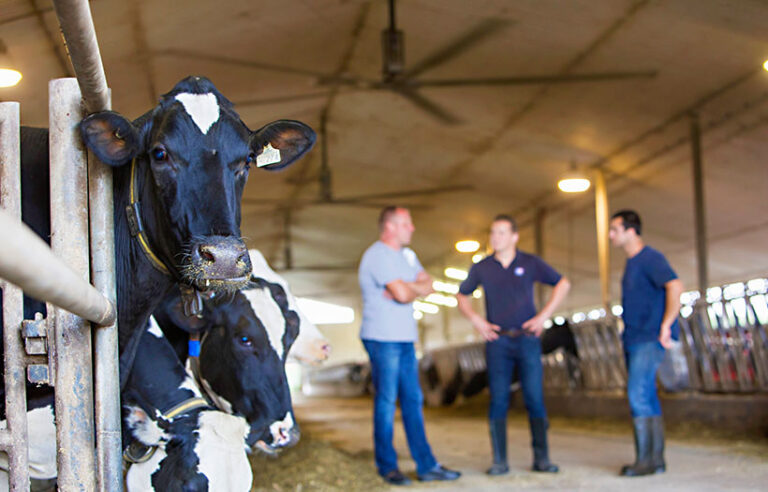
(699, 207)
(602, 219)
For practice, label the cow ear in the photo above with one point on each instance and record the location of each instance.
(281, 143)
(111, 137)
(173, 312)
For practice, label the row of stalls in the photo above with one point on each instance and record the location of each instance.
(723, 348)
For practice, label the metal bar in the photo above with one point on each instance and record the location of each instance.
(603, 249)
(83, 49)
(77, 27)
(699, 206)
(69, 240)
(15, 444)
(26, 261)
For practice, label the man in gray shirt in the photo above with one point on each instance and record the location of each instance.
(391, 278)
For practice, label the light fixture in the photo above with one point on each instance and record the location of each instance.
(455, 273)
(325, 313)
(8, 76)
(477, 257)
(765, 65)
(446, 287)
(573, 181)
(467, 246)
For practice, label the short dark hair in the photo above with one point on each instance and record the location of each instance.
(387, 213)
(507, 218)
(630, 220)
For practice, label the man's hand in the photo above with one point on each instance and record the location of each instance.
(487, 330)
(535, 325)
(665, 336)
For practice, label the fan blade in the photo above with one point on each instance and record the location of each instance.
(280, 99)
(403, 194)
(180, 53)
(430, 107)
(535, 79)
(485, 29)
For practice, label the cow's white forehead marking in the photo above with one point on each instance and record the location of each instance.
(202, 108)
(271, 317)
(154, 328)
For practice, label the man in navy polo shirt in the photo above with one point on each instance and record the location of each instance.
(650, 296)
(512, 332)
(391, 278)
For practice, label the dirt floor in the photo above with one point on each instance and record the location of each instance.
(335, 454)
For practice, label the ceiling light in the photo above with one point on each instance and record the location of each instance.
(455, 273)
(467, 246)
(477, 257)
(426, 307)
(573, 181)
(9, 77)
(447, 287)
(325, 313)
(765, 65)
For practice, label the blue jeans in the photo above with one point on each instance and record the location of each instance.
(503, 356)
(395, 376)
(643, 361)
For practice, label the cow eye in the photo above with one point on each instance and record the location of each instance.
(245, 341)
(159, 154)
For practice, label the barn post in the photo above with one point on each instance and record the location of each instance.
(13, 440)
(72, 334)
(80, 35)
(602, 218)
(699, 205)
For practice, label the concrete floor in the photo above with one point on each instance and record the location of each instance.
(589, 454)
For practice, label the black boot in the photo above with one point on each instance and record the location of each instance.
(657, 445)
(643, 436)
(498, 429)
(541, 461)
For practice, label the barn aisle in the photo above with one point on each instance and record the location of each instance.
(588, 452)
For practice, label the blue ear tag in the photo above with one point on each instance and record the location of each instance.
(194, 348)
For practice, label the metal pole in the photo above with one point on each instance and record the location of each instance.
(14, 438)
(69, 240)
(699, 206)
(78, 30)
(538, 246)
(603, 247)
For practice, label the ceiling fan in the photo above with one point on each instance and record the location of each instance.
(402, 81)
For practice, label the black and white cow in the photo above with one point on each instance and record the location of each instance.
(240, 363)
(193, 446)
(180, 170)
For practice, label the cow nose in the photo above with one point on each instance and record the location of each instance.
(220, 258)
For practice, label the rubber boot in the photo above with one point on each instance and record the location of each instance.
(643, 436)
(541, 461)
(657, 444)
(498, 429)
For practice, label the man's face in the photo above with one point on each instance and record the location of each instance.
(617, 233)
(402, 226)
(502, 236)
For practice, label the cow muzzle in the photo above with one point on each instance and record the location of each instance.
(282, 434)
(218, 263)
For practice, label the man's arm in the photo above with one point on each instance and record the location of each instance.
(489, 331)
(674, 288)
(535, 325)
(405, 292)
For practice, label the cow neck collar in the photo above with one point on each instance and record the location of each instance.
(136, 225)
(193, 359)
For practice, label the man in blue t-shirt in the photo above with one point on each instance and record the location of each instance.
(512, 330)
(650, 297)
(391, 278)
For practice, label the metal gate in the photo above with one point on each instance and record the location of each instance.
(57, 350)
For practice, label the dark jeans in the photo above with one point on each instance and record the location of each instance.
(505, 355)
(643, 361)
(395, 376)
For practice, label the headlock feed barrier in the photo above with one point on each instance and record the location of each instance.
(81, 319)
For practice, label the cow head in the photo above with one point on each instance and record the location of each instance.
(241, 363)
(189, 160)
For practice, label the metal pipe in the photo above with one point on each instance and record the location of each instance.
(69, 240)
(699, 206)
(80, 36)
(14, 441)
(83, 49)
(603, 247)
(28, 262)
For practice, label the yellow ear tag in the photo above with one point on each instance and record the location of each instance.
(268, 156)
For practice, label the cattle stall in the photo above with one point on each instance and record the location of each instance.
(57, 350)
